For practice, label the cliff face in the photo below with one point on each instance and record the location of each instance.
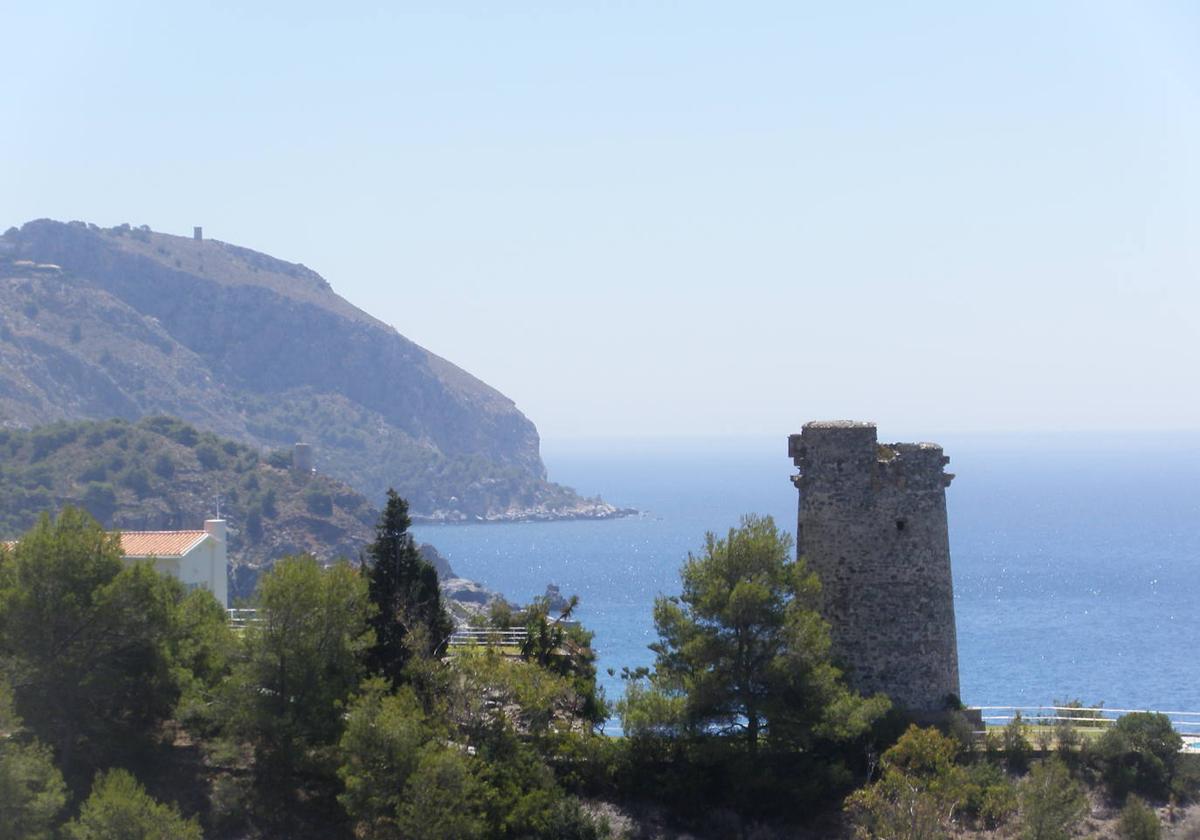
(124, 322)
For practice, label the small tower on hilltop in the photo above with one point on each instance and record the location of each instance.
(198, 233)
(302, 459)
(872, 525)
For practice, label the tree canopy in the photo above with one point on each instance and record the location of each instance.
(84, 639)
(32, 792)
(405, 592)
(743, 649)
(299, 663)
(120, 807)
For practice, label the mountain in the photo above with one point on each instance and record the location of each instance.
(125, 322)
(163, 474)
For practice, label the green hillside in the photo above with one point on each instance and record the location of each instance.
(163, 474)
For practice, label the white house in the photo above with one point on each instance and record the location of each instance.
(194, 558)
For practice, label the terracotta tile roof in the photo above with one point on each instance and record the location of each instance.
(158, 543)
(149, 543)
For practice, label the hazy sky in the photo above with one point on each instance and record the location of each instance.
(673, 218)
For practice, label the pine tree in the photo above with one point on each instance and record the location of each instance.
(405, 589)
(743, 649)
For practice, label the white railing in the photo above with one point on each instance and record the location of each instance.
(484, 637)
(1099, 716)
(1187, 724)
(240, 619)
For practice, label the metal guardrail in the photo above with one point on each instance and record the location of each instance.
(240, 619)
(484, 637)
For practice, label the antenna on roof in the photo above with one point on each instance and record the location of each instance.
(218, 506)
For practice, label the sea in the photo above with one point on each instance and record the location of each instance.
(1076, 557)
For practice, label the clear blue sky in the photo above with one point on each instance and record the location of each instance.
(675, 218)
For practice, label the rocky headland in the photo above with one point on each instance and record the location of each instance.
(124, 322)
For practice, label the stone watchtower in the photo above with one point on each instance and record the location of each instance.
(872, 525)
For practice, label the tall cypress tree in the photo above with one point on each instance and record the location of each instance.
(405, 589)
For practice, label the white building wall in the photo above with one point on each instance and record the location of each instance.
(205, 565)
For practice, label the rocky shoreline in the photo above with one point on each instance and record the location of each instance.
(591, 509)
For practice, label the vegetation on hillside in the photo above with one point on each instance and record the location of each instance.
(163, 474)
(129, 708)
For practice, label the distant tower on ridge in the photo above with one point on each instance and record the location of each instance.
(198, 233)
(302, 458)
(872, 525)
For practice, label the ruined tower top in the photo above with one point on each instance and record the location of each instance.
(848, 450)
(872, 525)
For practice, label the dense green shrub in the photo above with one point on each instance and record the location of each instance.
(280, 458)
(318, 501)
(136, 479)
(384, 734)
(1186, 784)
(164, 466)
(100, 500)
(587, 764)
(269, 507)
(49, 438)
(96, 471)
(254, 526)
(1139, 754)
(1138, 821)
(442, 798)
(918, 792)
(32, 791)
(1051, 802)
(208, 456)
(38, 476)
(990, 795)
(119, 807)
(1017, 750)
(172, 429)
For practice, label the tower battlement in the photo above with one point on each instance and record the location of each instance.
(872, 525)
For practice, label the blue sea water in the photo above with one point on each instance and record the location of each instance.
(1076, 559)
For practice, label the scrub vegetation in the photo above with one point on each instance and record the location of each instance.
(131, 708)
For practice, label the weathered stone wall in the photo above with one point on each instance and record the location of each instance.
(872, 525)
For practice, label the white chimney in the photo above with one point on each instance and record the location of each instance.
(218, 572)
(216, 528)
